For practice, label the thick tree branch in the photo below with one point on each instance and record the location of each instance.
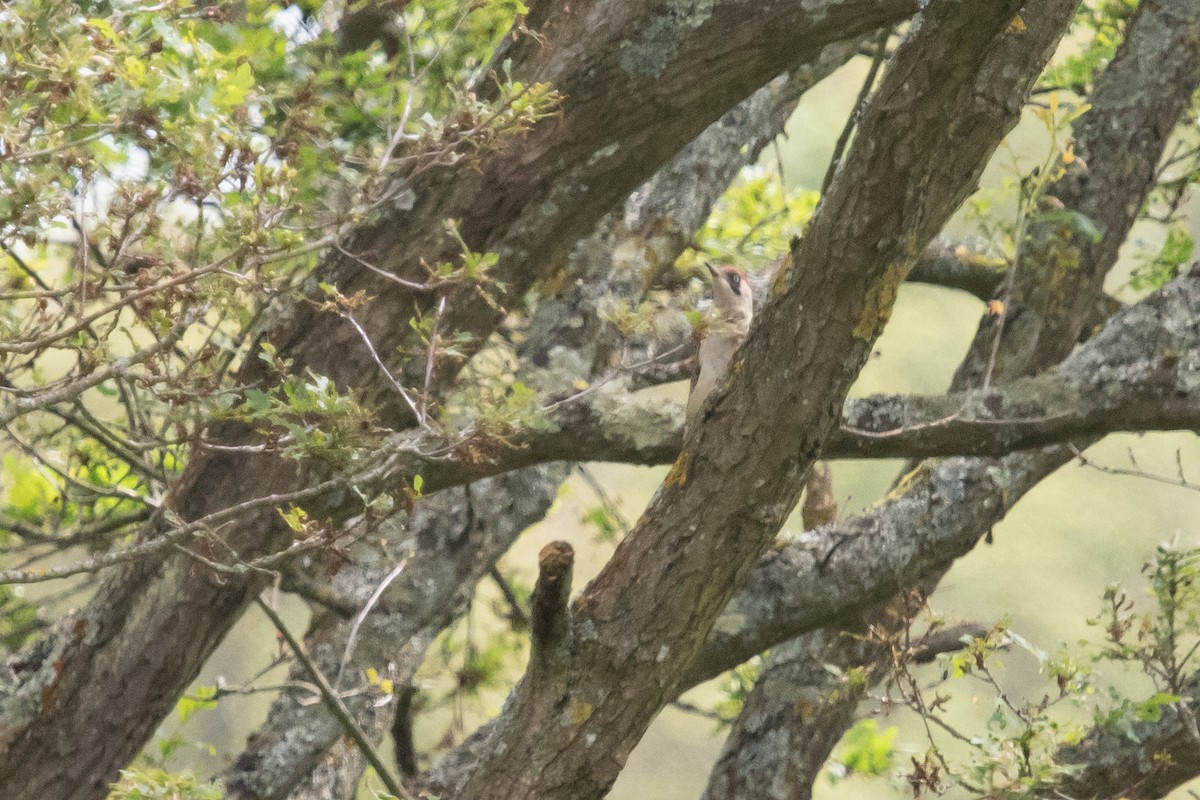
(765, 757)
(955, 87)
(940, 511)
(1062, 405)
(1110, 122)
(1136, 104)
(567, 337)
(529, 200)
(1138, 100)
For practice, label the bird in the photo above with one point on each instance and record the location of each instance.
(728, 326)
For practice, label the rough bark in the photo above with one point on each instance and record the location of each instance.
(113, 670)
(1058, 406)
(941, 510)
(1131, 118)
(1136, 104)
(955, 88)
(791, 720)
(568, 340)
(795, 681)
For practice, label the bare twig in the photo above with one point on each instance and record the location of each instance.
(861, 103)
(361, 617)
(516, 614)
(336, 706)
(391, 276)
(1181, 481)
(346, 315)
(430, 358)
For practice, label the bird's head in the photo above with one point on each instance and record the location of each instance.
(731, 293)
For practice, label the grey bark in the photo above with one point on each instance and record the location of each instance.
(446, 557)
(1130, 120)
(1052, 408)
(81, 711)
(941, 510)
(792, 719)
(956, 86)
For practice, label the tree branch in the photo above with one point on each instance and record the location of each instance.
(336, 706)
(1110, 123)
(529, 201)
(550, 633)
(940, 511)
(567, 337)
(955, 87)
(1089, 400)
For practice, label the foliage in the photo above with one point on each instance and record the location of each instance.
(19, 619)
(202, 698)
(168, 172)
(1161, 268)
(1014, 754)
(306, 418)
(157, 784)
(864, 750)
(1163, 639)
(472, 660)
(1102, 23)
(735, 686)
(753, 222)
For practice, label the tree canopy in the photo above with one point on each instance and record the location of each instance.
(326, 301)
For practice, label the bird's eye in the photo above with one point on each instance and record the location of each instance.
(734, 280)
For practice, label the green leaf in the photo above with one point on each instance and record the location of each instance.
(1150, 710)
(294, 518)
(233, 89)
(203, 698)
(866, 750)
(258, 400)
(158, 784)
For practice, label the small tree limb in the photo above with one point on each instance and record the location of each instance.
(335, 704)
(550, 618)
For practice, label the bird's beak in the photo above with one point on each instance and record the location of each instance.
(712, 271)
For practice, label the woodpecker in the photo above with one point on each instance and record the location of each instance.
(728, 326)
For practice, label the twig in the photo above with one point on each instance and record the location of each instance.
(361, 616)
(335, 705)
(429, 358)
(20, 158)
(516, 614)
(28, 270)
(383, 273)
(859, 105)
(611, 376)
(346, 315)
(398, 134)
(610, 505)
(70, 391)
(173, 537)
(691, 708)
(1181, 482)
